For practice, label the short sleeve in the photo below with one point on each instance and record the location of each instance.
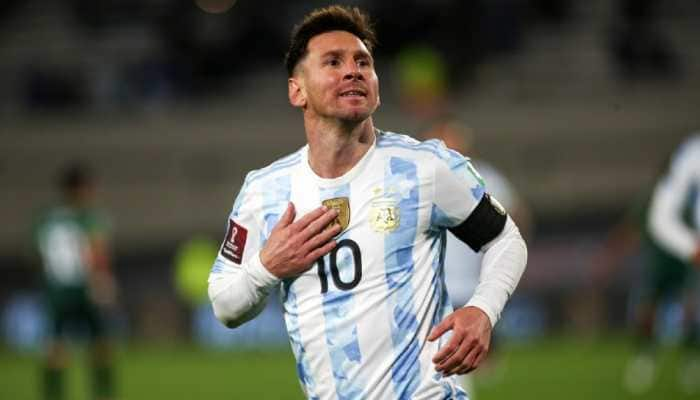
(458, 188)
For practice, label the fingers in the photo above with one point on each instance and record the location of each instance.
(451, 346)
(319, 224)
(324, 240)
(468, 365)
(468, 345)
(322, 237)
(479, 358)
(464, 360)
(321, 251)
(289, 214)
(461, 355)
(454, 361)
(304, 221)
(288, 217)
(440, 329)
(294, 246)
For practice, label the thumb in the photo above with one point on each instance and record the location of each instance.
(440, 329)
(288, 216)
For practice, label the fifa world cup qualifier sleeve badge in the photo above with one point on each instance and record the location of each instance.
(234, 242)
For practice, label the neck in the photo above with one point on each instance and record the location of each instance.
(334, 148)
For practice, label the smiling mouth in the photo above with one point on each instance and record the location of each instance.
(353, 93)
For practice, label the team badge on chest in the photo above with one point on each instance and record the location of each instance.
(342, 205)
(384, 215)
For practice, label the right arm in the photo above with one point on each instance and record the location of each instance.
(666, 225)
(246, 269)
(240, 293)
(238, 283)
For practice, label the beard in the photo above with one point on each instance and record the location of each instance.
(337, 109)
(354, 114)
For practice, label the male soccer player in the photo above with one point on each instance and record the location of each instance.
(72, 242)
(351, 229)
(674, 224)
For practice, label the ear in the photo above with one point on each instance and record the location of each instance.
(296, 92)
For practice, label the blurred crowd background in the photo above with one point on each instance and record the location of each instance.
(579, 104)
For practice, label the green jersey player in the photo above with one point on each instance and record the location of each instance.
(674, 224)
(663, 227)
(71, 239)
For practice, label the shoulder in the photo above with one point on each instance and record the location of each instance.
(274, 169)
(52, 213)
(687, 156)
(691, 146)
(42, 217)
(432, 149)
(257, 180)
(96, 219)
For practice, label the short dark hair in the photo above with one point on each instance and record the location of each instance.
(74, 176)
(322, 20)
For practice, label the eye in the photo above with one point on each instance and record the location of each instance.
(333, 62)
(364, 62)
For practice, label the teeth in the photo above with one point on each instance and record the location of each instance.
(352, 93)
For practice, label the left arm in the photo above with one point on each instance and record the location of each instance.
(103, 288)
(481, 222)
(503, 264)
(666, 224)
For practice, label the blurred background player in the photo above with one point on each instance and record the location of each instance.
(462, 264)
(71, 239)
(674, 223)
(646, 235)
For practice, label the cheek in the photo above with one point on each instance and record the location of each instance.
(376, 92)
(374, 83)
(328, 85)
(321, 88)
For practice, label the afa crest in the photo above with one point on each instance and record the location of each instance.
(384, 215)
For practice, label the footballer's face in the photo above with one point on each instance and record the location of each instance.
(336, 79)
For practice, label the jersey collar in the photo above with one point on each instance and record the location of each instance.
(345, 178)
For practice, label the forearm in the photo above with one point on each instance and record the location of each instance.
(666, 227)
(238, 293)
(99, 256)
(502, 266)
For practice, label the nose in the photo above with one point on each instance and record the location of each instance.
(354, 76)
(353, 72)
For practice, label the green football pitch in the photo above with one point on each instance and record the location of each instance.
(546, 369)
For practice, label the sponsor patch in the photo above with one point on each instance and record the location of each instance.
(234, 243)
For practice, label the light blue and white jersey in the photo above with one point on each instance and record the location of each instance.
(358, 319)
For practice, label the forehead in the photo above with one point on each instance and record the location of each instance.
(336, 41)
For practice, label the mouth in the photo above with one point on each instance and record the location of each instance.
(353, 93)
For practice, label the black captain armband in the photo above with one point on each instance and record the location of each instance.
(483, 224)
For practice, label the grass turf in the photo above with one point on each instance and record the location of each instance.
(561, 368)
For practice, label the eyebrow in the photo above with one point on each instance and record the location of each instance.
(338, 53)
